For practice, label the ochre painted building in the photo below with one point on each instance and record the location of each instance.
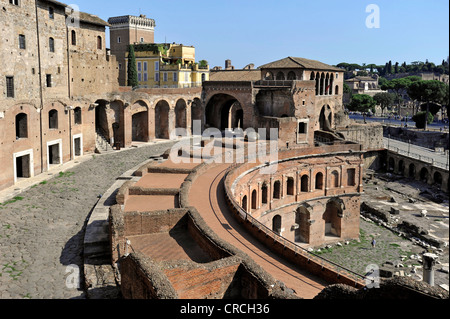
(169, 66)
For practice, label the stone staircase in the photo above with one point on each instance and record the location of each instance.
(101, 143)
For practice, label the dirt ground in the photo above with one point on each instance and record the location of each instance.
(400, 254)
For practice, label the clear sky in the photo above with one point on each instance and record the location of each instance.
(262, 31)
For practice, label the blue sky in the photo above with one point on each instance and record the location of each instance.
(262, 31)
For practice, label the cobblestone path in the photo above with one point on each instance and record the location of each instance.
(42, 229)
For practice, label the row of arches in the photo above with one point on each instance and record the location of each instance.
(329, 223)
(277, 189)
(410, 169)
(282, 76)
(21, 122)
(325, 83)
(141, 122)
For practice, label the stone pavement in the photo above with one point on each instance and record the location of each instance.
(43, 222)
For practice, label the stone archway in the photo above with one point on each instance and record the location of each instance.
(221, 110)
(197, 115)
(277, 224)
(332, 217)
(181, 118)
(139, 127)
(162, 110)
(326, 118)
(139, 122)
(302, 224)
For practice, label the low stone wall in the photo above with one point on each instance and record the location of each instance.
(390, 289)
(431, 140)
(302, 258)
(141, 278)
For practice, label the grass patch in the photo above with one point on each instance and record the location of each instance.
(15, 199)
(65, 174)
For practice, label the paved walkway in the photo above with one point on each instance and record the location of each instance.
(414, 151)
(43, 219)
(216, 214)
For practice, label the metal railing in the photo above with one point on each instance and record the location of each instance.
(420, 157)
(275, 83)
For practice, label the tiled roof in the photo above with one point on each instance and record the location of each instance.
(85, 17)
(235, 75)
(295, 63)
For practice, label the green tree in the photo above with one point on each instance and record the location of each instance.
(385, 100)
(132, 77)
(397, 85)
(420, 117)
(432, 91)
(362, 103)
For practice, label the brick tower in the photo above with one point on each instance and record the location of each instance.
(126, 30)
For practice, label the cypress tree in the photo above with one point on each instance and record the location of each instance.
(132, 78)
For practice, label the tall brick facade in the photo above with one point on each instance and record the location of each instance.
(51, 57)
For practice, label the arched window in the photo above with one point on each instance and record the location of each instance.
(74, 37)
(254, 200)
(53, 119)
(304, 183)
(51, 45)
(277, 190)
(51, 13)
(77, 115)
(291, 76)
(21, 126)
(99, 43)
(335, 179)
(264, 194)
(268, 76)
(351, 177)
(280, 76)
(244, 203)
(319, 181)
(336, 90)
(290, 186)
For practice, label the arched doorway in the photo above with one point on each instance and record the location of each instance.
(101, 119)
(325, 118)
(162, 110)
(221, 110)
(140, 127)
(180, 118)
(302, 227)
(197, 115)
(437, 179)
(401, 167)
(276, 224)
(139, 122)
(412, 171)
(332, 218)
(424, 175)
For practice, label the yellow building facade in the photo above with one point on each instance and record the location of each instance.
(169, 66)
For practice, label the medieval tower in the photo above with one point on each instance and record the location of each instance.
(126, 30)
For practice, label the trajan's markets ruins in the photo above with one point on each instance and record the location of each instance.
(258, 170)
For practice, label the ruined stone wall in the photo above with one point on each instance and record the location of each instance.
(370, 136)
